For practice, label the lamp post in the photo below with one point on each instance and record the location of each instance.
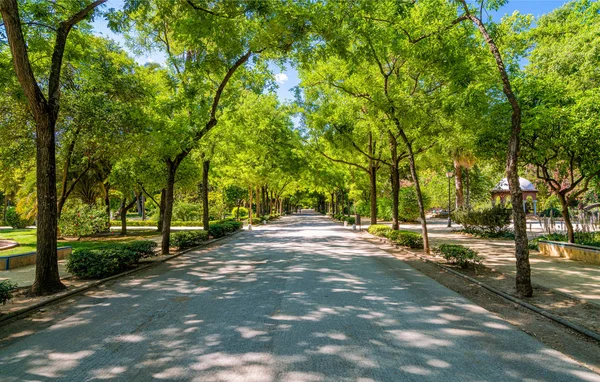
(449, 175)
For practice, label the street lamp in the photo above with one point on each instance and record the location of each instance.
(449, 175)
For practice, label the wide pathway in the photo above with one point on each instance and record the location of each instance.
(299, 300)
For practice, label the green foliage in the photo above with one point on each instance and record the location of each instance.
(406, 238)
(6, 288)
(188, 239)
(379, 230)
(223, 228)
(14, 219)
(458, 254)
(488, 221)
(101, 262)
(143, 248)
(79, 219)
(184, 211)
(242, 210)
(408, 206)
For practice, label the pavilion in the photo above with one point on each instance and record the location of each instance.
(502, 191)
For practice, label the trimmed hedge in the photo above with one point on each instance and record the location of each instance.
(188, 239)
(144, 248)
(343, 218)
(224, 227)
(458, 254)
(379, 230)
(406, 239)
(101, 262)
(154, 223)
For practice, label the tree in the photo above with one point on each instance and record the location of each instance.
(45, 110)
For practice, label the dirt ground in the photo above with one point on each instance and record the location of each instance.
(563, 339)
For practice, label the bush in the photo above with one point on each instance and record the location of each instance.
(350, 219)
(143, 248)
(379, 230)
(243, 212)
(101, 262)
(6, 288)
(224, 227)
(78, 219)
(406, 238)
(188, 239)
(491, 220)
(408, 205)
(14, 219)
(458, 254)
(184, 211)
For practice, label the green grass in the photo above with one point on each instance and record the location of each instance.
(27, 240)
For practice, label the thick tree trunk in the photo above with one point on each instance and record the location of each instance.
(124, 208)
(564, 204)
(523, 278)
(468, 189)
(415, 178)
(168, 212)
(106, 191)
(372, 180)
(458, 183)
(47, 279)
(205, 214)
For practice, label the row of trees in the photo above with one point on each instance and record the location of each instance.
(392, 96)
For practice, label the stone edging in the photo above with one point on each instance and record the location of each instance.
(578, 328)
(13, 315)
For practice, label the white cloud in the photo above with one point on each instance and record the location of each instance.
(281, 78)
(150, 60)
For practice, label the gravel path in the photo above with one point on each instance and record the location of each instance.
(300, 300)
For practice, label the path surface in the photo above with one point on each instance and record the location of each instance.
(300, 300)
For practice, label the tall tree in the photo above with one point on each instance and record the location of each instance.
(45, 110)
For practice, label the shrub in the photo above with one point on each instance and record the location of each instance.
(408, 205)
(379, 230)
(79, 219)
(490, 220)
(143, 248)
(406, 238)
(350, 219)
(187, 239)
(223, 227)
(185, 211)
(243, 212)
(6, 288)
(101, 262)
(458, 254)
(14, 219)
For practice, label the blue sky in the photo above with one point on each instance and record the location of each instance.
(287, 78)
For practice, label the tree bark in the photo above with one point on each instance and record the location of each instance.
(250, 206)
(468, 189)
(458, 184)
(523, 278)
(373, 166)
(564, 204)
(395, 180)
(123, 214)
(168, 212)
(415, 178)
(258, 206)
(161, 209)
(205, 214)
(106, 191)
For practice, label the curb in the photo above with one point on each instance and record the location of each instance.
(13, 315)
(578, 328)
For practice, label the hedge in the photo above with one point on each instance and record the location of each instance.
(188, 239)
(379, 230)
(406, 239)
(222, 228)
(458, 254)
(101, 262)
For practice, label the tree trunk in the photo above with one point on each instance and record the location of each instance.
(106, 191)
(523, 278)
(161, 209)
(168, 212)
(205, 215)
(250, 206)
(458, 183)
(564, 204)
(47, 278)
(468, 189)
(372, 180)
(415, 178)
(258, 206)
(123, 216)
(395, 180)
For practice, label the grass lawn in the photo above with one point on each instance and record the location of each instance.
(27, 240)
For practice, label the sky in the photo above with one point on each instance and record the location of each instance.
(287, 78)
